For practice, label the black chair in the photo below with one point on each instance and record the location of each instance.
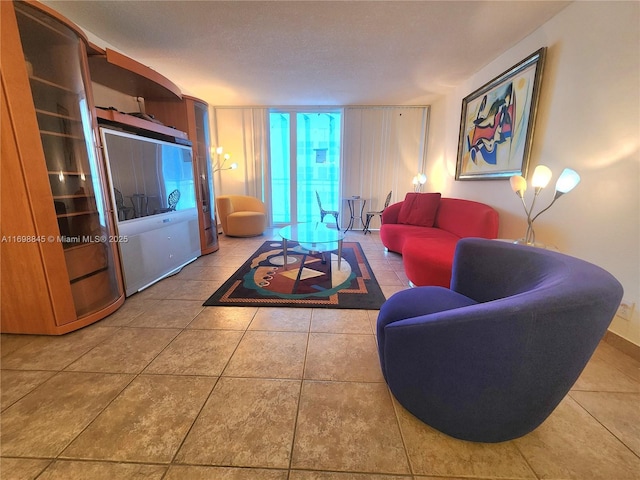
(172, 201)
(123, 211)
(324, 212)
(370, 215)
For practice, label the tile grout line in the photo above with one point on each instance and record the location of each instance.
(526, 460)
(602, 424)
(295, 421)
(135, 377)
(197, 416)
(58, 456)
(412, 471)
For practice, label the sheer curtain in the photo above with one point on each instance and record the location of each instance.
(383, 149)
(244, 134)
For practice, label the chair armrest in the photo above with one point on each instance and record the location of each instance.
(224, 207)
(390, 214)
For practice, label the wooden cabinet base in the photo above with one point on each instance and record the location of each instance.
(90, 319)
(49, 329)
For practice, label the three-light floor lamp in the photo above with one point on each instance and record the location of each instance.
(220, 165)
(418, 182)
(566, 182)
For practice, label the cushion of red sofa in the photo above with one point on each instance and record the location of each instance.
(429, 262)
(419, 209)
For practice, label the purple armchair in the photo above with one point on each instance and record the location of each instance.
(489, 359)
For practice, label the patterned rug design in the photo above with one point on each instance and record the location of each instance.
(308, 280)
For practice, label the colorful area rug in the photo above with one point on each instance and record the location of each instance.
(310, 280)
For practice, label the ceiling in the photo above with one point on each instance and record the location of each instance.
(239, 53)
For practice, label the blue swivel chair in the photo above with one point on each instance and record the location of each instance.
(490, 358)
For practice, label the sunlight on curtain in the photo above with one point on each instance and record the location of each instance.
(244, 134)
(384, 148)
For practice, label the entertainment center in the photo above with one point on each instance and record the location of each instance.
(97, 203)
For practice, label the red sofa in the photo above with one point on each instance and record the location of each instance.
(425, 229)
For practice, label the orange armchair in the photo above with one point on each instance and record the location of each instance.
(241, 215)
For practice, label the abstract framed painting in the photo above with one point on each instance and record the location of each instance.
(496, 125)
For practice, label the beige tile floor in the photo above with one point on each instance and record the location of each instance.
(167, 389)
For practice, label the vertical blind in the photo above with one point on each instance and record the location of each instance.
(383, 149)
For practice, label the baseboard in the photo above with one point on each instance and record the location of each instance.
(622, 344)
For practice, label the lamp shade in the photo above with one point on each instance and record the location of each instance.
(541, 176)
(567, 180)
(419, 179)
(518, 184)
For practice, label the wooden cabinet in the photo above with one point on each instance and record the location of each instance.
(180, 115)
(192, 115)
(60, 265)
(202, 147)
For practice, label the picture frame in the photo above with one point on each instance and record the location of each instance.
(497, 122)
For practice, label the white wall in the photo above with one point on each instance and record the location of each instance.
(589, 120)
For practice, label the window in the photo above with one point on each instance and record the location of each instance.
(305, 158)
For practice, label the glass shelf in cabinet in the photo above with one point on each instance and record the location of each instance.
(77, 214)
(56, 123)
(63, 135)
(43, 82)
(70, 183)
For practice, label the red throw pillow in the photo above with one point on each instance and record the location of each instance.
(419, 209)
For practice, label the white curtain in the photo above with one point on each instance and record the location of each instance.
(242, 133)
(383, 149)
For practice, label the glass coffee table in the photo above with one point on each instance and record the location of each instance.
(315, 237)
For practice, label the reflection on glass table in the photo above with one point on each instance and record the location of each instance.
(315, 237)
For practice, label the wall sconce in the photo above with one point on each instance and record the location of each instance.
(566, 182)
(220, 165)
(418, 182)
